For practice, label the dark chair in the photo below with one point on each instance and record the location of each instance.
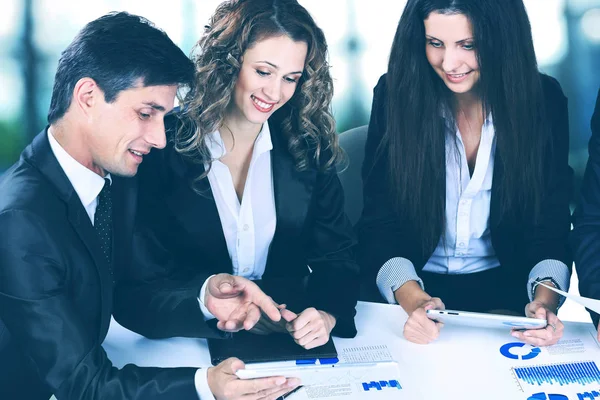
(353, 143)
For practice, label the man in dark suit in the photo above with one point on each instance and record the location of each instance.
(66, 214)
(585, 238)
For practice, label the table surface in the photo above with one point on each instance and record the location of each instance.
(464, 363)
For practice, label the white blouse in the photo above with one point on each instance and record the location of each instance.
(248, 226)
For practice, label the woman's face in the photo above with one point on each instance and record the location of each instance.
(450, 50)
(268, 78)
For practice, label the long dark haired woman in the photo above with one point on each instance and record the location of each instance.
(466, 176)
(248, 183)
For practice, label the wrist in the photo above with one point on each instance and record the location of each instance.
(410, 296)
(329, 320)
(546, 297)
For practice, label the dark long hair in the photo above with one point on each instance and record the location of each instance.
(510, 89)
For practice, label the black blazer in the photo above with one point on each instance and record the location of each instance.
(56, 292)
(519, 245)
(585, 238)
(180, 243)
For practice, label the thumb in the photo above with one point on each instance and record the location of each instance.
(232, 365)
(541, 313)
(224, 286)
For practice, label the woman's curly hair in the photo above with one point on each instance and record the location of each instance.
(305, 120)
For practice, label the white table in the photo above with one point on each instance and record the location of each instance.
(462, 364)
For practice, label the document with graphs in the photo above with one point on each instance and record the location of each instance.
(381, 381)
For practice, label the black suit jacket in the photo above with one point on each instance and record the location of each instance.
(519, 245)
(56, 292)
(585, 238)
(180, 243)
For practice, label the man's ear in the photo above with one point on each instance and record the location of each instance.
(86, 95)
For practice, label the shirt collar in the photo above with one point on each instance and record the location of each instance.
(262, 144)
(87, 184)
(450, 122)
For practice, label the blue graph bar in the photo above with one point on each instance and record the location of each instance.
(561, 374)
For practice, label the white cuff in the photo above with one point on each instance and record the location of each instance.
(201, 383)
(207, 314)
(393, 274)
(554, 271)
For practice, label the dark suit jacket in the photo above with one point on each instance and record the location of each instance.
(519, 245)
(585, 238)
(56, 292)
(180, 243)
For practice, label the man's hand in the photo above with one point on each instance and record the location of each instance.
(237, 302)
(225, 385)
(419, 328)
(265, 325)
(541, 337)
(311, 328)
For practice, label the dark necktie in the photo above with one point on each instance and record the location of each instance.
(103, 223)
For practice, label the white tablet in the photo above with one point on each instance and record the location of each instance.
(316, 374)
(485, 320)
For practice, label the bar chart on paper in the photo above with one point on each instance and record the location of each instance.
(561, 374)
(560, 381)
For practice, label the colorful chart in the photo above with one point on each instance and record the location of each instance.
(583, 373)
(505, 350)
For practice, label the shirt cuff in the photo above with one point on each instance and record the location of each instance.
(207, 314)
(393, 274)
(201, 383)
(554, 271)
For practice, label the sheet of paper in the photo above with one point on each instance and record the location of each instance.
(592, 304)
(380, 381)
(376, 353)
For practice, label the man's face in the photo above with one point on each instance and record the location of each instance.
(123, 131)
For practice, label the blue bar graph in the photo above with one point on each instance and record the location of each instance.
(584, 373)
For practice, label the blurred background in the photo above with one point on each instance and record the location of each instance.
(359, 33)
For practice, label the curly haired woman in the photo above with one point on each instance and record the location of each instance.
(247, 184)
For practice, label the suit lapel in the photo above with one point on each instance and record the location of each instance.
(82, 225)
(293, 190)
(43, 158)
(191, 201)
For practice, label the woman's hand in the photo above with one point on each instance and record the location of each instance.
(311, 328)
(541, 337)
(419, 328)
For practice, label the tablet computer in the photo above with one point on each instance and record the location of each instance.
(318, 374)
(485, 320)
(252, 348)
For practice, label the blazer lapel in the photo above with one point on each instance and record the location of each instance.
(192, 203)
(293, 190)
(44, 159)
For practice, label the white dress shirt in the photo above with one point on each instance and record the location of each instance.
(467, 247)
(468, 244)
(87, 185)
(248, 226)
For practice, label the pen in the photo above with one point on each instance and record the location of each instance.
(285, 396)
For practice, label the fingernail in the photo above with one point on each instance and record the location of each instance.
(280, 381)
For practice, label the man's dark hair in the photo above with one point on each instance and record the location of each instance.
(116, 50)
